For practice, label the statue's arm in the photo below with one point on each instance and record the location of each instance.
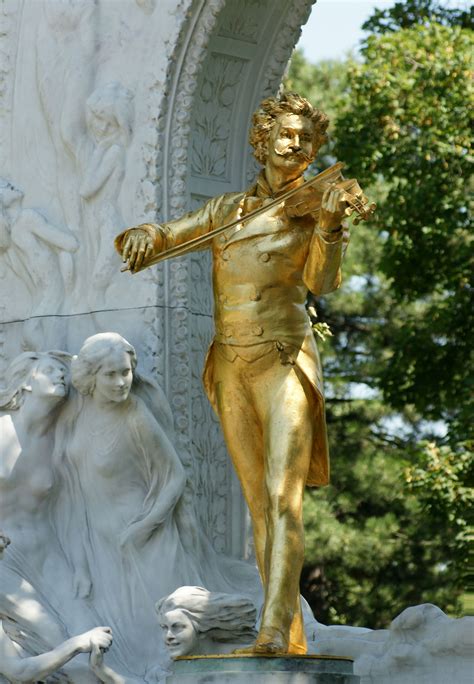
(139, 243)
(322, 271)
(38, 667)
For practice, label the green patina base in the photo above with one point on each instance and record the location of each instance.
(251, 669)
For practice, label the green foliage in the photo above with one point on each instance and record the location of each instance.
(416, 136)
(412, 12)
(443, 481)
(324, 86)
(390, 530)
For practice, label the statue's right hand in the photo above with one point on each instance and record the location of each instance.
(137, 247)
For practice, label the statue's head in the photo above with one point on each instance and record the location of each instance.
(191, 614)
(109, 112)
(42, 374)
(104, 368)
(286, 128)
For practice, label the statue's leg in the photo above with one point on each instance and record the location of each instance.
(265, 410)
(243, 437)
(286, 410)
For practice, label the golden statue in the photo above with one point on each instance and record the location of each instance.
(270, 245)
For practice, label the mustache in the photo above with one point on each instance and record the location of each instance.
(288, 152)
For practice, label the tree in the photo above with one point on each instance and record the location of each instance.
(382, 536)
(324, 86)
(416, 135)
(412, 12)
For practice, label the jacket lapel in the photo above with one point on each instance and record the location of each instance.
(253, 199)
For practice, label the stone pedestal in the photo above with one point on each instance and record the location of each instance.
(230, 669)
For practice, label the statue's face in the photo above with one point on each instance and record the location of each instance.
(290, 144)
(179, 633)
(114, 379)
(49, 379)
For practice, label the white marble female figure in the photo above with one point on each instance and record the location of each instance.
(121, 482)
(36, 388)
(36, 606)
(36, 661)
(40, 254)
(195, 621)
(98, 136)
(109, 114)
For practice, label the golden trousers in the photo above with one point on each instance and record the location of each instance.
(266, 408)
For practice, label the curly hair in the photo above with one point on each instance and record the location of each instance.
(18, 374)
(270, 109)
(93, 353)
(221, 617)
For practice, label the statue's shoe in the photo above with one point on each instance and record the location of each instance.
(270, 641)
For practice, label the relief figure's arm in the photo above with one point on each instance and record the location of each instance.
(31, 222)
(104, 673)
(37, 668)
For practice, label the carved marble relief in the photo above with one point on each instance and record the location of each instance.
(244, 21)
(195, 621)
(100, 107)
(95, 498)
(38, 256)
(213, 121)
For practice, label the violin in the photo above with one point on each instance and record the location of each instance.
(307, 198)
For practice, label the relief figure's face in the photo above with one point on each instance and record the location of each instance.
(103, 125)
(49, 379)
(113, 380)
(290, 144)
(179, 633)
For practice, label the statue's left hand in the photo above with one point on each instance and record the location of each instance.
(333, 207)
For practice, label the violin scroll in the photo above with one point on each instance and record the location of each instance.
(357, 201)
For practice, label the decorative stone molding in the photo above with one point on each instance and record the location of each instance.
(9, 22)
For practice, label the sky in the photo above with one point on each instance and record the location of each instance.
(334, 26)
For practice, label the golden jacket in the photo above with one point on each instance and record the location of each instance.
(261, 273)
